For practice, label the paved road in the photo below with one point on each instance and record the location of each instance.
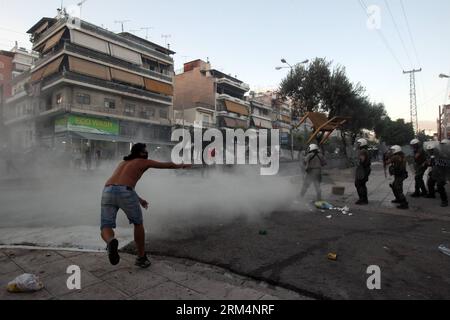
(404, 244)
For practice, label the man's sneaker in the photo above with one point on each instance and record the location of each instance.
(403, 206)
(430, 196)
(362, 203)
(416, 195)
(113, 252)
(143, 262)
(444, 204)
(395, 201)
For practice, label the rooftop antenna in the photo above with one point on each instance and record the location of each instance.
(122, 22)
(80, 4)
(146, 30)
(165, 37)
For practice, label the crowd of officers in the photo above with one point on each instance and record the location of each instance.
(434, 158)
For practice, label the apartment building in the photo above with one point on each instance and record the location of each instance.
(206, 97)
(261, 112)
(91, 89)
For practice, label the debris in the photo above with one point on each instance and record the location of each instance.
(329, 217)
(332, 256)
(323, 205)
(263, 233)
(25, 283)
(444, 250)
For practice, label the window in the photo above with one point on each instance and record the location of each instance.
(2, 65)
(163, 114)
(130, 109)
(110, 103)
(148, 113)
(83, 98)
(205, 119)
(59, 99)
(1, 77)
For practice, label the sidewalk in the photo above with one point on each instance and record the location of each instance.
(166, 279)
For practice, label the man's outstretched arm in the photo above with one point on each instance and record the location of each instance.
(167, 165)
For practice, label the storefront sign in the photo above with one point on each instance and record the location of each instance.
(87, 125)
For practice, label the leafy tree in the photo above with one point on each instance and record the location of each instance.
(394, 132)
(319, 88)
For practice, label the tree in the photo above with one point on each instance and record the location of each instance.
(394, 132)
(423, 137)
(319, 88)
(306, 86)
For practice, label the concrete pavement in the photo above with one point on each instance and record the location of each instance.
(166, 279)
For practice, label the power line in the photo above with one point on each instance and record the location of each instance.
(383, 38)
(14, 31)
(398, 31)
(409, 32)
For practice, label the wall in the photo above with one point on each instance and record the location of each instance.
(193, 87)
(98, 103)
(6, 74)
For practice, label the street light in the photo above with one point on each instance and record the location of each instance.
(442, 112)
(284, 61)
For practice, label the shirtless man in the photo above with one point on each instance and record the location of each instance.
(119, 193)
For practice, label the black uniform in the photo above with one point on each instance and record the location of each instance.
(420, 166)
(437, 177)
(398, 170)
(363, 171)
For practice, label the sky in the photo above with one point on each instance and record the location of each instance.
(248, 38)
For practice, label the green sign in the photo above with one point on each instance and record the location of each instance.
(87, 125)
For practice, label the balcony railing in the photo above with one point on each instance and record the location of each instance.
(224, 96)
(107, 84)
(242, 86)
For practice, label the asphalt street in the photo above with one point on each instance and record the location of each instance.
(290, 248)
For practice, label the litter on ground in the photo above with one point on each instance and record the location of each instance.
(25, 283)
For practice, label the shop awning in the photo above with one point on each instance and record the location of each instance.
(52, 67)
(37, 75)
(236, 108)
(99, 137)
(230, 123)
(261, 123)
(235, 123)
(53, 41)
(127, 77)
(159, 87)
(89, 68)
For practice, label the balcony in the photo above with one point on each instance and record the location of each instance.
(120, 88)
(68, 47)
(230, 98)
(242, 86)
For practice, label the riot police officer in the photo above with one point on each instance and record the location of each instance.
(363, 171)
(420, 166)
(398, 170)
(437, 176)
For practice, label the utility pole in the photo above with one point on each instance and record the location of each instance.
(122, 22)
(413, 98)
